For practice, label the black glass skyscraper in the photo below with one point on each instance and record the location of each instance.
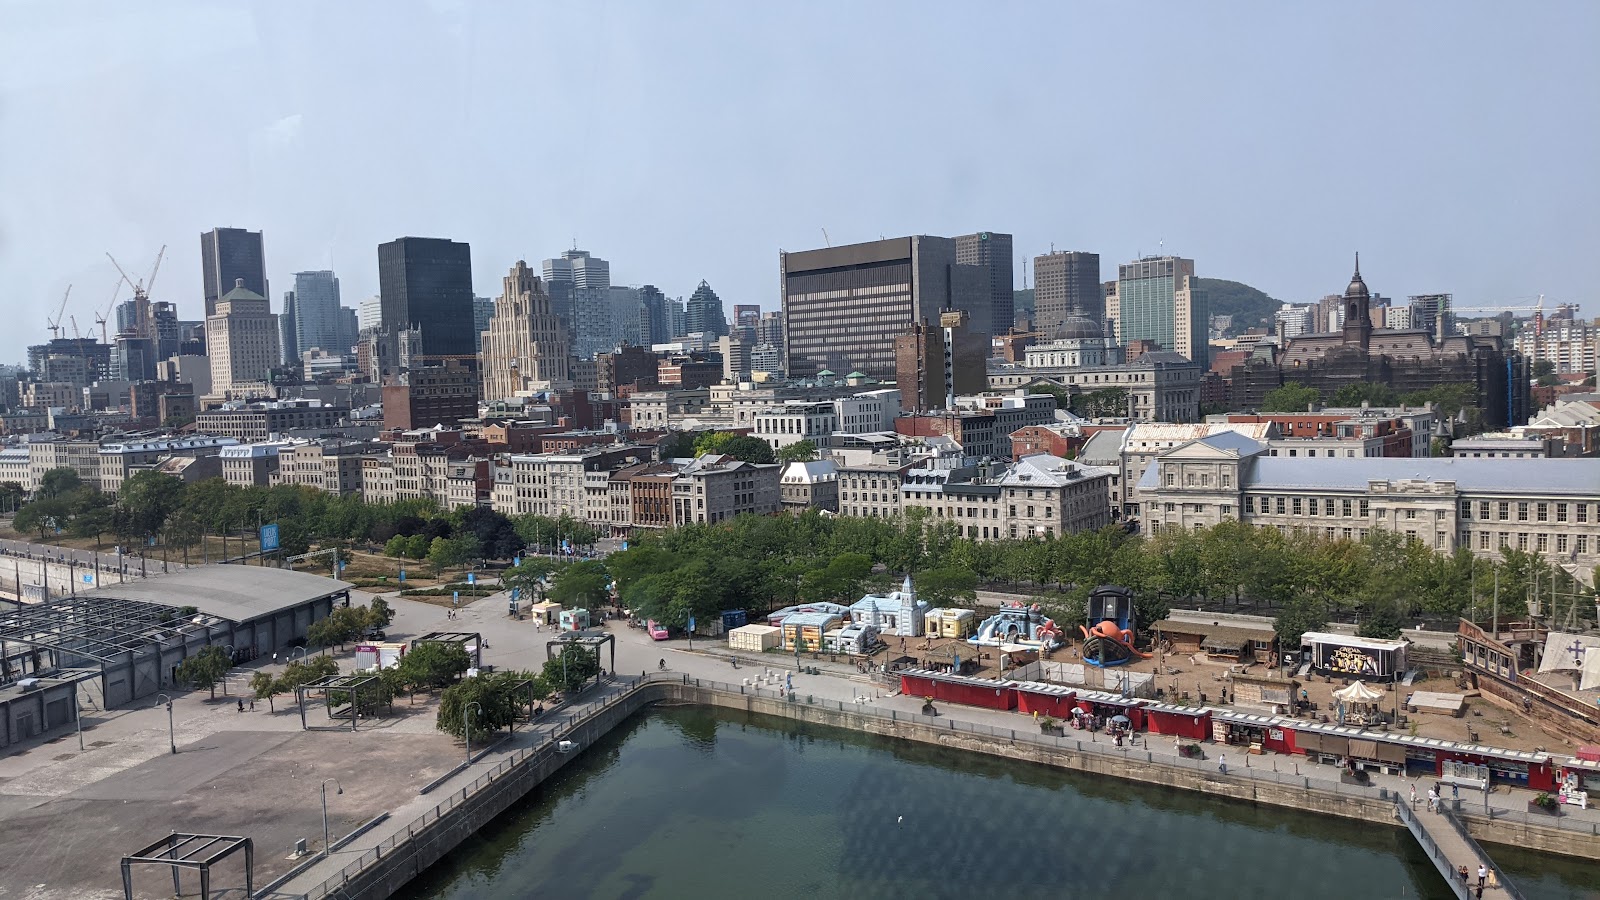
(426, 283)
(228, 254)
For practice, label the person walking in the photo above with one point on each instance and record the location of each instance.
(1483, 873)
(1462, 870)
(1222, 764)
(1433, 800)
(1413, 796)
(1494, 880)
(1455, 791)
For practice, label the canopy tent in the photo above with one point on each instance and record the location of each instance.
(1591, 672)
(1565, 651)
(1357, 692)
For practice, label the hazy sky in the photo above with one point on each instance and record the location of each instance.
(1454, 144)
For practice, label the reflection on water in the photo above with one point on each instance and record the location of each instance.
(708, 803)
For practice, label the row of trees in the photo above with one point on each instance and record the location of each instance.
(763, 563)
(156, 505)
(500, 695)
(1295, 397)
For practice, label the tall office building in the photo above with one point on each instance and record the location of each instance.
(1066, 284)
(288, 332)
(316, 312)
(677, 319)
(704, 312)
(843, 307)
(991, 249)
(655, 326)
(525, 345)
(1426, 312)
(228, 255)
(1158, 301)
(426, 284)
(939, 360)
(369, 314)
(579, 285)
(241, 341)
(746, 315)
(349, 329)
(482, 312)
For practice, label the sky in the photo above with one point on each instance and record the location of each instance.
(1453, 144)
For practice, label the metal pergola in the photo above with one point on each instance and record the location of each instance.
(102, 629)
(179, 851)
(590, 640)
(463, 638)
(351, 687)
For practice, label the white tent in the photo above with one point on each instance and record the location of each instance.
(1565, 651)
(1591, 672)
(1357, 692)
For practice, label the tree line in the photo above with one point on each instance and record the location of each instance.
(757, 563)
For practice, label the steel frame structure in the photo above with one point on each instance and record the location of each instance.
(181, 851)
(101, 629)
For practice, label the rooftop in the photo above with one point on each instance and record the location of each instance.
(234, 592)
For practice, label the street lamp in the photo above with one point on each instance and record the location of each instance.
(339, 789)
(466, 728)
(302, 650)
(172, 737)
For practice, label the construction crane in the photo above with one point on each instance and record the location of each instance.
(141, 289)
(75, 332)
(55, 323)
(1537, 307)
(102, 317)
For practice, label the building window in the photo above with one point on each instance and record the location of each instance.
(1580, 544)
(1280, 506)
(1541, 512)
(1483, 540)
(1582, 509)
(1227, 480)
(1503, 511)
(1171, 479)
(1249, 504)
(1466, 509)
(1411, 514)
(1561, 543)
(1296, 506)
(1344, 508)
(1522, 512)
(1561, 512)
(1483, 510)
(1542, 542)
(1226, 510)
(1522, 540)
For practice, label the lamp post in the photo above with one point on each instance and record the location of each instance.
(466, 727)
(339, 789)
(172, 737)
(301, 650)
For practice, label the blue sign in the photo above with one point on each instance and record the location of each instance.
(402, 575)
(472, 578)
(455, 598)
(691, 623)
(515, 593)
(624, 545)
(88, 579)
(269, 537)
(516, 561)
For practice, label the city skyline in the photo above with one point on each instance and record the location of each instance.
(1295, 152)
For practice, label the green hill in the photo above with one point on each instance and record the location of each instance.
(1248, 306)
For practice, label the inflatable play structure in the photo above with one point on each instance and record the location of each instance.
(1108, 639)
(1018, 623)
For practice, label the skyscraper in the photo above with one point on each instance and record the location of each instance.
(228, 255)
(579, 285)
(316, 312)
(288, 332)
(525, 345)
(991, 249)
(746, 314)
(369, 314)
(482, 312)
(426, 284)
(349, 329)
(1066, 284)
(655, 326)
(843, 307)
(241, 341)
(704, 312)
(1158, 301)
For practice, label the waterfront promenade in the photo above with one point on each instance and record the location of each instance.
(517, 644)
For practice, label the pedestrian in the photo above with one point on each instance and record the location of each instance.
(1483, 873)
(1479, 894)
(1462, 870)
(241, 705)
(1455, 791)
(1222, 764)
(1433, 800)
(252, 704)
(1494, 880)
(1413, 796)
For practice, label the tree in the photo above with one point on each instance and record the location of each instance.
(676, 445)
(1292, 397)
(1360, 392)
(1543, 367)
(941, 586)
(1298, 616)
(740, 447)
(584, 583)
(205, 669)
(571, 667)
(305, 671)
(1101, 404)
(497, 697)
(344, 624)
(433, 664)
(265, 687)
(446, 553)
(379, 613)
(799, 451)
(56, 482)
(1381, 619)
(150, 497)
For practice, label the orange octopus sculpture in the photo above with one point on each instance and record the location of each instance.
(1120, 651)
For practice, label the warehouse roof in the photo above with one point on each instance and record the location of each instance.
(234, 592)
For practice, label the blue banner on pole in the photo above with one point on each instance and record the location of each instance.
(624, 545)
(691, 623)
(455, 598)
(515, 593)
(269, 537)
(472, 578)
(517, 561)
(402, 575)
(88, 579)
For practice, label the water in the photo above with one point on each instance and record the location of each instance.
(695, 802)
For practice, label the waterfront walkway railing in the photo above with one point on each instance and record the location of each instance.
(1440, 860)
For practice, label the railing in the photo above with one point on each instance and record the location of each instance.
(1441, 862)
(578, 715)
(1483, 858)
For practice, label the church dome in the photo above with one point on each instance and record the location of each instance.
(1076, 327)
(1357, 288)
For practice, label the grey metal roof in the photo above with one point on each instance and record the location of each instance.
(237, 593)
(1514, 476)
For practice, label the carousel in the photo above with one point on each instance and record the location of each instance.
(1359, 704)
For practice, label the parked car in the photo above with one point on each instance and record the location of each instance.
(658, 632)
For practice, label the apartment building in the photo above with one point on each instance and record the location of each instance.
(119, 459)
(715, 487)
(333, 466)
(377, 478)
(554, 484)
(1039, 496)
(1549, 507)
(1161, 386)
(808, 485)
(259, 421)
(796, 421)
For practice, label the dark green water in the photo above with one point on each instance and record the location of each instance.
(702, 803)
